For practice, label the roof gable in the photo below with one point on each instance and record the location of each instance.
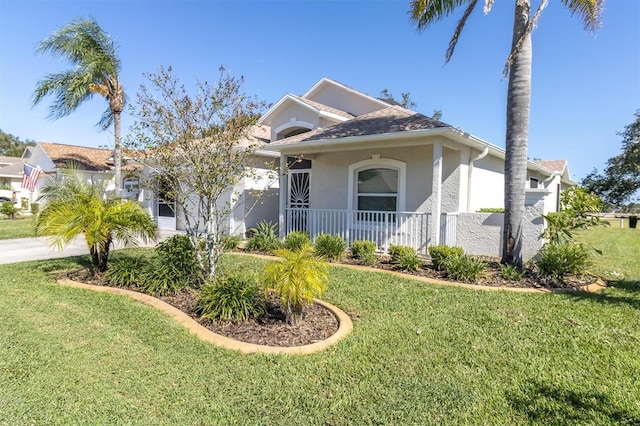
(92, 159)
(393, 119)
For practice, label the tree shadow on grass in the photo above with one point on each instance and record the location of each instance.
(66, 264)
(548, 404)
(632, 288)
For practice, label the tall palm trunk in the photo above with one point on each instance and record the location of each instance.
(518, 105)
(116, 103)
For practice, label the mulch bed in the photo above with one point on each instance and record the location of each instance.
(318, 322)
(272, 329)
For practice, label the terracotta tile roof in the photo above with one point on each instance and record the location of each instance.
(323, 107)
(393, 119)
(11, 166)
(93, 159)
(553, 165)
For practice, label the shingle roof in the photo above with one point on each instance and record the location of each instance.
(323, 107)
(553, 165)
(11, 166)
(393, 119)
(93, 159)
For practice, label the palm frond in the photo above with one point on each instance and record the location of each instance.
(589, 10)
(515, 49)
(425, 12)
(459, 28)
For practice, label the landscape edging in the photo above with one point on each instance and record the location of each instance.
(345, 326)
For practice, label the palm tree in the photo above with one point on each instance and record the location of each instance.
(518, 67)
(96, 67)
(75, 207)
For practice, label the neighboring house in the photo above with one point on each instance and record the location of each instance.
(365, 169)
(93, 163)
(11, 169)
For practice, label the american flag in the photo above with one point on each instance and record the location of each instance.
(30, 177)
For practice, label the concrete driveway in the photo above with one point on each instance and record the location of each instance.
(25, 249)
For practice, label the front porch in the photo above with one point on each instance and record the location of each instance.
(382, 227)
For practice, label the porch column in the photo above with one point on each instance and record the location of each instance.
(463, 192)
(436, 193)
(282, 195)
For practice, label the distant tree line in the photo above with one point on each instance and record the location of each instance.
(12, 146)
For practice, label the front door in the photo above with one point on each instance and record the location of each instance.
(299, 186)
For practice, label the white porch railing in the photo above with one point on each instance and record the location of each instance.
(383, 228)
(448, 226)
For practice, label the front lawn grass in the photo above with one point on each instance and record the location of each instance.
(21, 227)
(419, 354)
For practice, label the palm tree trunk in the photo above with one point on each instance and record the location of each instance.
(518, 106)
(117, 160)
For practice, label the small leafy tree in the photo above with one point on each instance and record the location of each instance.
(577, 211)
(200, 147)
(75, 207)
(9, 209)
(297, 279)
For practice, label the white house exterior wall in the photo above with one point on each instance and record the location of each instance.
(290, 114)
(336, 97)
(329, 189)
(450, 180)
(487, 184)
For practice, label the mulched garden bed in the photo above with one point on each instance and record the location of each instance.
(318, 322)
(272, 329)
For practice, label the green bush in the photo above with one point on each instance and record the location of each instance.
(9, 209)
(365, 252)
(461, 267)
(296, 240)
(234, 297)
(396, 252)
(511, 272)
(35, 208)
(491, 210)
(297, 279)
(24, 203)
(180, 255)
(230, 242)
(125, 272)
(264, 237)
(558, 261)
(408, 260)
(158, 278)
(439, 254)
(330, 247)
(362, 248)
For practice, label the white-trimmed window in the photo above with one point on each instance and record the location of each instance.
(377, 185)
(534, 183)
(377, 189)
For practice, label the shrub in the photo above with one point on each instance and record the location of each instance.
(296, 240)
(409, 260)
(230, 242)
(396, 252)
(362, 248)
(439, 255)
(461, 267)
(160, 279)
(511, 272)
(9, 209)
(179, 253)
(24, 203)
(297, 279)
(491, 210)
(264, 237)
(125, 272)
(235, 297)
(365, 252)
(558, 261)
(330, 247)
(35, 208)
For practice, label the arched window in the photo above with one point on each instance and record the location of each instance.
(377, 189)
(377, 184)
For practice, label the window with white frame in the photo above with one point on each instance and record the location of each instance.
(377, 189)
(533, 183)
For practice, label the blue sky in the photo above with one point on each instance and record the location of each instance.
(585, 88)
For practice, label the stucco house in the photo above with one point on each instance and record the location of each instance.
(11, 169)
(363, 168)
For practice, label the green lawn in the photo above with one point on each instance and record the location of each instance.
(22, 227)
(419, 354)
